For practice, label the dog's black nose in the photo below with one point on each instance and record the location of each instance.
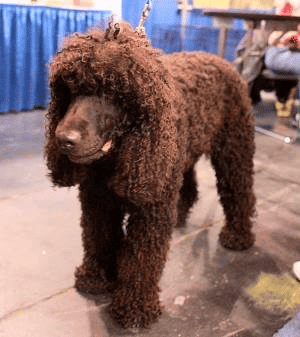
(68, 140)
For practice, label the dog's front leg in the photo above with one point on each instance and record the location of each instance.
(102, 233)
(135, 301)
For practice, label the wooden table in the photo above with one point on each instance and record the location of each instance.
(249, 16)
(224, 18)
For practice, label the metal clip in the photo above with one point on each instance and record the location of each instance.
(140, 29)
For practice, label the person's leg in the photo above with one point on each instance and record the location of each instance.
(279, 59)
(285, 105)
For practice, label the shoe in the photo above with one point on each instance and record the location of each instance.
(296, 270)
(284, 109)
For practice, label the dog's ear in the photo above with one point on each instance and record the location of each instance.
(149, 152)
(147, 161)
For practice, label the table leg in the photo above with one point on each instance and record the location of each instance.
(223, 24)
(222, 41)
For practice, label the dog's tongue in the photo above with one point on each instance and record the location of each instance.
(107, 146)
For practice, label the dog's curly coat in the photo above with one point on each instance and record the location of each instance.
(128, 124)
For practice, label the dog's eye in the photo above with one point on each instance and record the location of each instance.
(109, 122)
(106, 123)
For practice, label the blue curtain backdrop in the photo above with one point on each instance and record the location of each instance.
(163, 27)
(29, 36)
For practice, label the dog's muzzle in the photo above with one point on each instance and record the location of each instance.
(71, 144)
(68, 141)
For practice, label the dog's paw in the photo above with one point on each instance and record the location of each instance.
(236, 240)
(132, 310)
(92, 282)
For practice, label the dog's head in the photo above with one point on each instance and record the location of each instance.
(89, 129)
(110, 93)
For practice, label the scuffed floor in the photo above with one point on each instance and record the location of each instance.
(207, 291)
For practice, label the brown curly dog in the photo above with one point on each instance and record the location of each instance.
(128, 124)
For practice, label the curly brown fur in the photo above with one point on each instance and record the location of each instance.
(128, 124)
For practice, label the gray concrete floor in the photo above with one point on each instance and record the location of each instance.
(207, 291)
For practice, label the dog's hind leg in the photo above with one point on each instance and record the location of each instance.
(188, 196)
(102, 233)
(232, 159)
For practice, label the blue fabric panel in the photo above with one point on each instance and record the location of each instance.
(168, 38)
(234, 36)
(202, 38)
(29, 36)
